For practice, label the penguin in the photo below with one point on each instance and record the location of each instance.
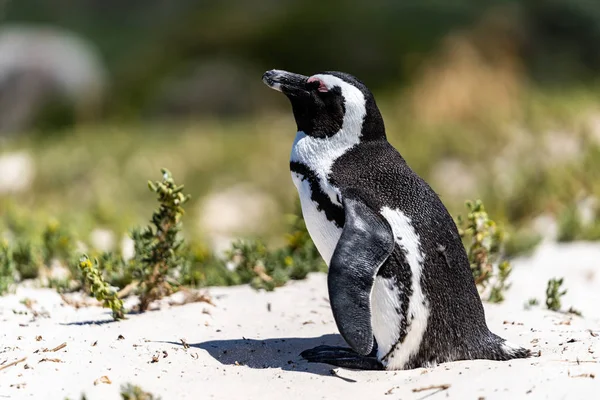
(399, 281)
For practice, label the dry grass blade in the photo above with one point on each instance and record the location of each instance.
(261, 271)
(391, 390)
(57, 348)
(185, 344)
(127, 290)
(579, 361)
(584, 376)
(77, 304)
(193, 296)
(431, 387)
(12, 363)
(56, 360)
(102, 379)
(28, 303)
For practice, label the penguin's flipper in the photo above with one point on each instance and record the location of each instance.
(366, 243)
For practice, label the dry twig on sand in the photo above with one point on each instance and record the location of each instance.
(12, 363)
(102, 379)
(127, 290)
(431, 387)
(57, 348)
(193, 296)
(77, 304)
(583, 376)
(56, 360)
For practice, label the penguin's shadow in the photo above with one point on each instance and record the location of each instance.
(281, 353)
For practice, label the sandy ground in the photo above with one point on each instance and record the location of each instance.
(247, 345)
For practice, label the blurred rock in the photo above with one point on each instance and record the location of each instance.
(546, 226)
(102, 239)
(58, 271)
(240, 209)
(127, 248)
(16, 172)
(587, 209)
(41, 67)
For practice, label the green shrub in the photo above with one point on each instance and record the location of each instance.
(57, 243)
(7, 268)
(569, 225)
(158, 250)
(254, 263)
(100, 289)
(27, 260)
(532, 302)
(115, 270)
(163, 261)
(521, 243)
(554, 293)
(251, 261)
(484, 242)
(204, 268)
(134, 392)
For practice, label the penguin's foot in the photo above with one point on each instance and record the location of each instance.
(341, 357)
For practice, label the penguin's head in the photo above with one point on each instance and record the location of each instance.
(328, 103)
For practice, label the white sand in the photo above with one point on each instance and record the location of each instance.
(240, 350)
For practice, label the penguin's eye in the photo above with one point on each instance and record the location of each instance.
(316, 83)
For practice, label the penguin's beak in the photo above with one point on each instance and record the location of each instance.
(286, 82)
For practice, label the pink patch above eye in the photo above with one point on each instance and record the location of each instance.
(322, 86)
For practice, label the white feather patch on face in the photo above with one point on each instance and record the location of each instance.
(385, 301)
(418, 306)
(319, 154)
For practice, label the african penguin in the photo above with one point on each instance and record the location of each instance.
(400, 286)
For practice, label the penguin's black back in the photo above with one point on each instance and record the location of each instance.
(456, 327)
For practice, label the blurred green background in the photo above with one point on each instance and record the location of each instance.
(498, 100)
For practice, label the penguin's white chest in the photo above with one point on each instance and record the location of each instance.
(324, 233)
(317, 156)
